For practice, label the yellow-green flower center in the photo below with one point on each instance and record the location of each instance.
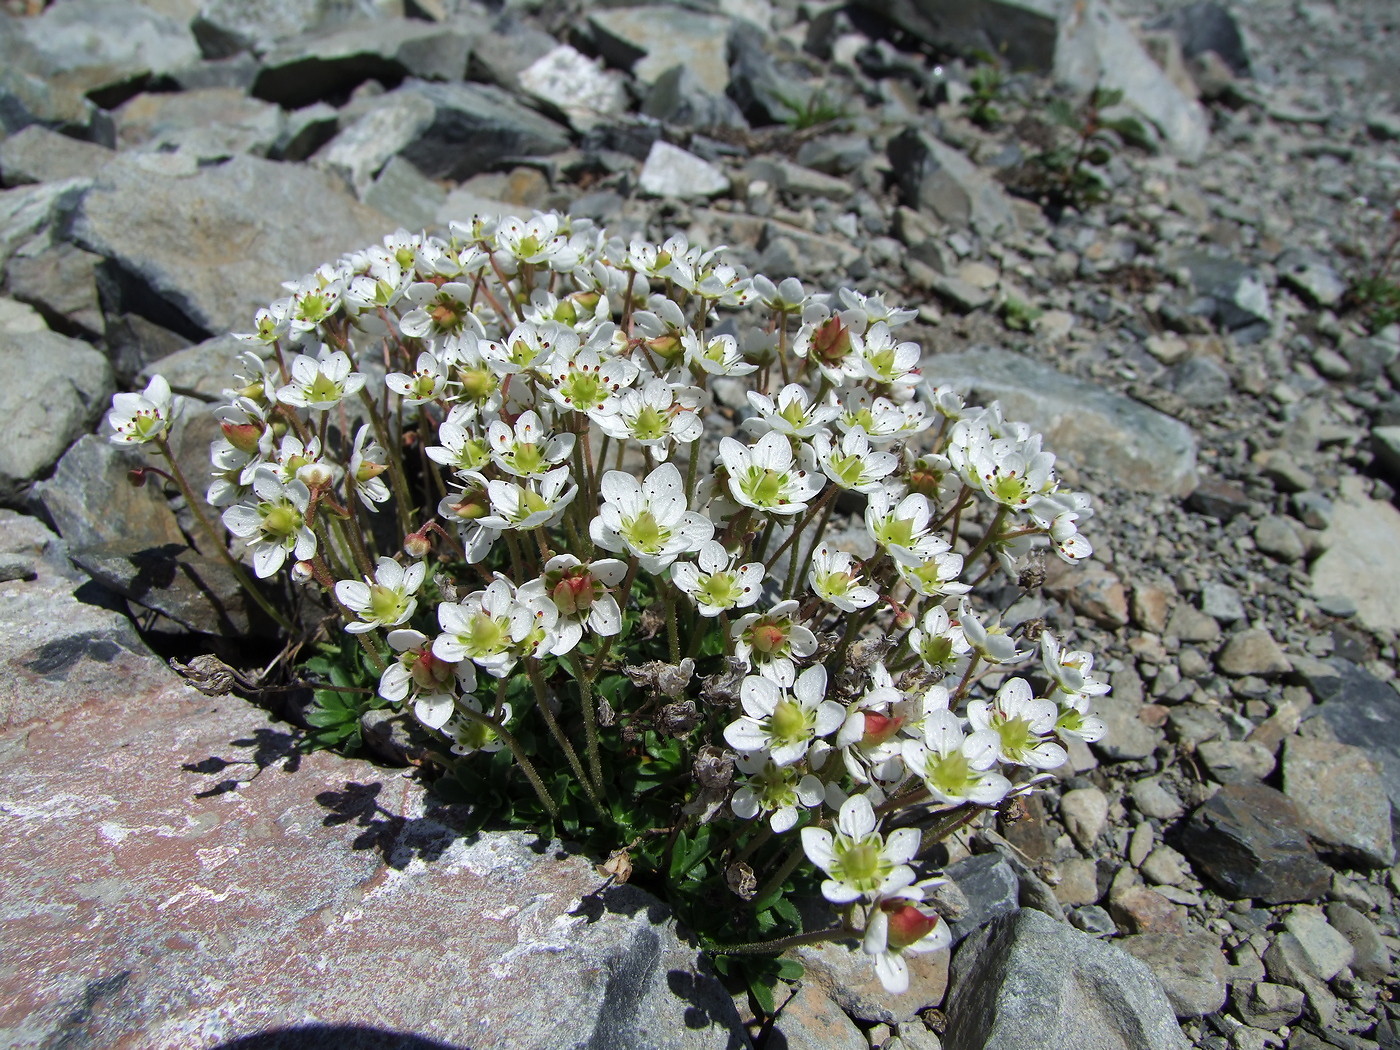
(860, 864)
(386, 604)
(279, 520)
(651, 424)
(788, 724)
(645, 533)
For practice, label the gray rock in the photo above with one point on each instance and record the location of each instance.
(236, 71)
(1165, 867)
(1154, 799)
(811, 1018)
(76, 385)
(1128, 738)
(835, 154)
(1369, 357)
(208, 249)
(1190, 966)
(476, 128)
(1311, 278)
(20, 317)
(991, 889)
(966, 297)
(321, 849)
(844, 973)
(62, 282)
(1236, 761)
(1200, 382)
(208, 123)
(1278, 537)
(1252, 651)
(1239, 295)
(226, 27)
(1370, 957)
(27, 100)
(1192, 724)
(1343, 797)
(1206, 27)
(1085, 813)
(1142, 449)
(769, 83)
(1093, 920)
(1385, 443)
(936, 178)
(100, 44)
(405, 195)
(306, 130)
(308, 69)
(651, 39)
(1010, 986)
(1269, 1006)
(1362, 557)
(1250, 841)
(359, 152)
(507, 47)
(674, 173)
(202, 370)
(1325, 952)
(30, 216)
(573, 84)
(799, 181)
(678, 98)
(37, 154)
(1221, 602)
(1025, 32)
(1192, 625)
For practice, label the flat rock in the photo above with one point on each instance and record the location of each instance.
(62, 282)
(1011, 985)
(27, 100)
(175, 875)
(672, 172)
(209, 248)
(846, 975)
(1361, 558)
(30, 216)
(208, 123)
(76, 384)
(1250, 841)
(1236, 761)
(226, 27)
(990, 888)
(96, 44)
(1343, 798)
(37, 154)
(811, 1018)
(1141, 448)
(573, 84)
(1190, 966)
(1252, 651)
(649, 40)
(1129, 738)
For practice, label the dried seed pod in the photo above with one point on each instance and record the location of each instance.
(741, 880)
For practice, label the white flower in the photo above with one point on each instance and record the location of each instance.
(775, 790)
(469, 736)
(459, 449)
(368, 460)
(939, 641)
(486, 627)
(791, 413)
(527, 449)
(321, 382)
(442, 310)
(852, 464)
(1071, 671)
(764, 476)
(428, 381)
(902, 528)
(989, 641)
(860, 861)
(655, 417)
(648, 519)
(882, 420)
(716, 356)
(1021, 724)
(780, 724)
(714, 584)
(583, 382)
(538, 503)
(276, 525)
(954, 766)
(138, 418)
(887, 361)
(387, 600)
(834, 580)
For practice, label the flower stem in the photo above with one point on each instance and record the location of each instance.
(782, 944)
(519, 752)
(590, 719)
(239, 573)
(532, 667)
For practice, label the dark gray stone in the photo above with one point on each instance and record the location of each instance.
(1031, 983)
(1239, 296)
(1206, 26)
(1364, 711)
(207, 123)
(320, 66)
(1139, 447)
(991, 889)
(1190, 966)
(99, 44)
(935, 177)
(61, 283)
(650, 39)
(476, 128)
(27, 100)
(1250, 841)
(1200, 382)
(679, 99)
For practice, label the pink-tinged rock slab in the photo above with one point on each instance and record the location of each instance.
(173, 875)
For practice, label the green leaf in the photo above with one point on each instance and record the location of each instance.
(762, 992)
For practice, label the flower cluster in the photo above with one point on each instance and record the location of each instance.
(533, 407)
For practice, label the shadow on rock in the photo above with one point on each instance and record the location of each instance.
(269, 747)
(335, 1037)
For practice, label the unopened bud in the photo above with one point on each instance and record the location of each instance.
(768, 637)
(908, 925)
(368, 471)
(242, 436)
(417, 545)
(315, 475)
(302, 573)
(904, 619)
(137, 477)
(879, 728)
(619, 866)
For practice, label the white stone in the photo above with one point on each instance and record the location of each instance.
(670, 171)
(576, 85)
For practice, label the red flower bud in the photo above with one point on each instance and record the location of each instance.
(242, 436)
(908, 925)
(879, 728)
